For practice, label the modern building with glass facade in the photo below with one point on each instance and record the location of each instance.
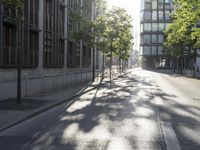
(155, 16)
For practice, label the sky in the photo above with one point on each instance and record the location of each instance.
(133, 8)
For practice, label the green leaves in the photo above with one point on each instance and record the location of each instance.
(182, 30)
(18, 4)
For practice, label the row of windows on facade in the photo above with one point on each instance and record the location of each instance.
(151, 50)
(152, 39)
(156, 4)
(153, 27)
(53, 37)
(155, 15)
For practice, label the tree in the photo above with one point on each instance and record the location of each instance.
(18, 5)
(179, 33)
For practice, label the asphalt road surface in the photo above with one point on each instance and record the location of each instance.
(142, 110)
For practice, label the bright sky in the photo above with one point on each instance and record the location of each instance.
(133, 8)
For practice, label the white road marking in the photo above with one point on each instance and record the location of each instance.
(170, 136)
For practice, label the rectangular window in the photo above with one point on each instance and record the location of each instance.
(167, 15)
(147, 26)
(161, 26)
(154, 27)
(154, 38)
(154, 15)
(160, 39)
(160, 50)
(147, 50)
(147, 39)
(154, 4)
(147, 15)
(154, 50)
(9, 51)
(160, 15)
(160, 4)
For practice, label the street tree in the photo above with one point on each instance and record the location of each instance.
(18, 5)
(179, 33)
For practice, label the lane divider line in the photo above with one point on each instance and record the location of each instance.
(170, 136)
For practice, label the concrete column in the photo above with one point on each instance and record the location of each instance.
(65, 30)
(41, 34)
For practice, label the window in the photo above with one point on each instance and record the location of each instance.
(32, 54)
(160, 50)
(154, 50)
(167, 4)
(154, 38)
(9, 51)
(147, 50)
(160, 4)
(160, 15)
(34, 8)
(147, 15)
(161, 26)
(147, 39)
(147, 4)
(167, 15)
(154, 4)
(154, 15)
(54, 34)
(147, 26)
(154, 27)
(141, 28)
(160, 38)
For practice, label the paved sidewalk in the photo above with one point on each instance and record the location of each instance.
(12, 114)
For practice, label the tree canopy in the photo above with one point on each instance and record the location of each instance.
(183, 30)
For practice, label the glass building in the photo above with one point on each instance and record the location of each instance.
(155, 16)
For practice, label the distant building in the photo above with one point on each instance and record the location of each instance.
(155, 16)
(46, 44)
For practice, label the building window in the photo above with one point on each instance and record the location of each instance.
(147, 39)
(32, 54)
(9, 51)
(160, 4)
(160, 50)
(167, 15)
(154, 50)
(54, 34)
(160, 39)
(161, 26)
(147, 26)
(154, 4)
(147, 4)
(154, 38)
(147, 15)
(154, 15)
(154, 27)
(147, 50)
(34, 8)
(160, 15)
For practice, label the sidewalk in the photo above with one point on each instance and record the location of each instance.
(12, 114)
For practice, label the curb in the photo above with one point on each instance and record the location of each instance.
(59, 103)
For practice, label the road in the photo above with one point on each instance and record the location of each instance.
(142, 110)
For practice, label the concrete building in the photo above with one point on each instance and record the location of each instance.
(155, 16)
(46, 44)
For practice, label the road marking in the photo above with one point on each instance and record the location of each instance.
(159, 101)
(170, 136)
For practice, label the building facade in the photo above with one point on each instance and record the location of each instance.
(155, 16)
(45, 44)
